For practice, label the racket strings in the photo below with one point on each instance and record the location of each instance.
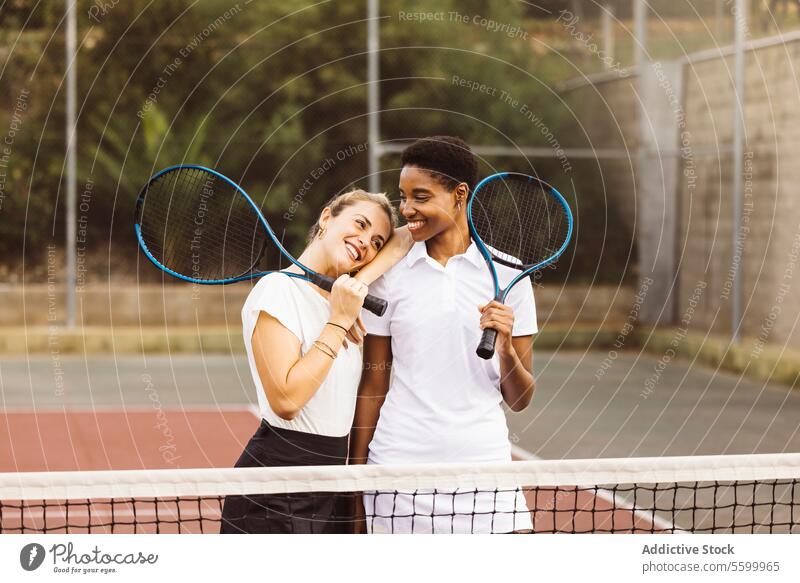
(232, 226)
(216, 242)
(519, 220)
(224, 242)
(200, 226)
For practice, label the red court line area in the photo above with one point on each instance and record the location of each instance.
(115, 516)
(571, 509)
(122, 440)
(574, 510)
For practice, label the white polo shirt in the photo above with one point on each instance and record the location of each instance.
(444, 401)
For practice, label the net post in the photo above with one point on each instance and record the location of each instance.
(740, 21)
(373, 94)
(607, 13)
(71, 141)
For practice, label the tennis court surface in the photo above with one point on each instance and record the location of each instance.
(145, 445)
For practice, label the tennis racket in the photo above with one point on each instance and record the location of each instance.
(198, 225)
(518, 221)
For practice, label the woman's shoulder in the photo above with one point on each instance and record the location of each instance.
(396, 272)
(278, 295)
(277, 285)
(383, 286)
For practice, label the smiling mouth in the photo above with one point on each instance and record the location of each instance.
(415, 225)
(353, 251)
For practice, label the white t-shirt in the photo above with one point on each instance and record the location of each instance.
(444, 401)
(296, 305)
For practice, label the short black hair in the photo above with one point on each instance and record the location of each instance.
(448, 158)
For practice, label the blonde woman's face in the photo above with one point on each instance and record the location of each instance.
(353, 238)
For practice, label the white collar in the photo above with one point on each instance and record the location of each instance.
(420, 251)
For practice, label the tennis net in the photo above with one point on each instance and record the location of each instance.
(708, 494)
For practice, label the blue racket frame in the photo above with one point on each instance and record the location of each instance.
(371, 303)
(484, 350)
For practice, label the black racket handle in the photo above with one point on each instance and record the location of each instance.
(374, 304)
(486, 347)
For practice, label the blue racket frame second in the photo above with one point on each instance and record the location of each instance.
(372, 303)
(486, 348)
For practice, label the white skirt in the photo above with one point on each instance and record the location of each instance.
(455, 511)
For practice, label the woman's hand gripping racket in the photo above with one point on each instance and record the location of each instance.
(198, 225)
(518, 221)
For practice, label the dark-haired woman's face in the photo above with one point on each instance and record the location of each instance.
(428, 206)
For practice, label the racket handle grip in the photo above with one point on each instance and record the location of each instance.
(486, 347)
(375, 304)
(372, 303)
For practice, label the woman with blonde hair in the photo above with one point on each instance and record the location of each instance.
(305, 371)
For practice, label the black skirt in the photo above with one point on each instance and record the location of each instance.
(314, 512)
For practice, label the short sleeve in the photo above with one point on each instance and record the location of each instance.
(521, 300)
(379, 325)
(276, 295)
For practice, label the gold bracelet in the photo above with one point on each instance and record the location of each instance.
(325, 349)
(319, 347)
(329, 347)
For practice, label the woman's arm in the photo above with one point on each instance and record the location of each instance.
(290, 380)
(371, 395)
(395, 249)
(515, 354)
(517, 383)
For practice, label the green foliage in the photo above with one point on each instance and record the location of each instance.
(268, 93)
(158, 145)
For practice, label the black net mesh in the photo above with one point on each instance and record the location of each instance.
(647, 499)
